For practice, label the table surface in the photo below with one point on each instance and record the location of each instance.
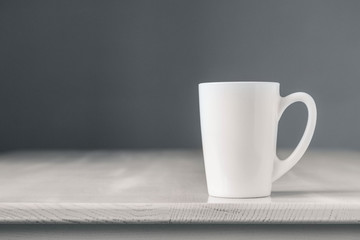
(168, 187)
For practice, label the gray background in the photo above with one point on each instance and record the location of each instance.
(124, 74)
(179, 231)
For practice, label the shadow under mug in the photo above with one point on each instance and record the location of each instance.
(239, 122)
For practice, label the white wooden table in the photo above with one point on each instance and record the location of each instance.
(110, 189)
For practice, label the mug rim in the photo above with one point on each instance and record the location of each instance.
(239, 82)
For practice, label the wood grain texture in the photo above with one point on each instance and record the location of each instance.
(168, 187)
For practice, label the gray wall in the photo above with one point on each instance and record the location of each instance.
(124, 74)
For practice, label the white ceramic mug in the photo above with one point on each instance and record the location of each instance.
(239, 122)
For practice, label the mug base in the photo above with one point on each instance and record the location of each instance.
(240, 197)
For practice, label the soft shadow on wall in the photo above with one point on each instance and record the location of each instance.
(124, 74)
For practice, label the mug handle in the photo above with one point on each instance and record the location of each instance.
(282, 166)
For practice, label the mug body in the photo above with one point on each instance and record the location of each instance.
(239, 132)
